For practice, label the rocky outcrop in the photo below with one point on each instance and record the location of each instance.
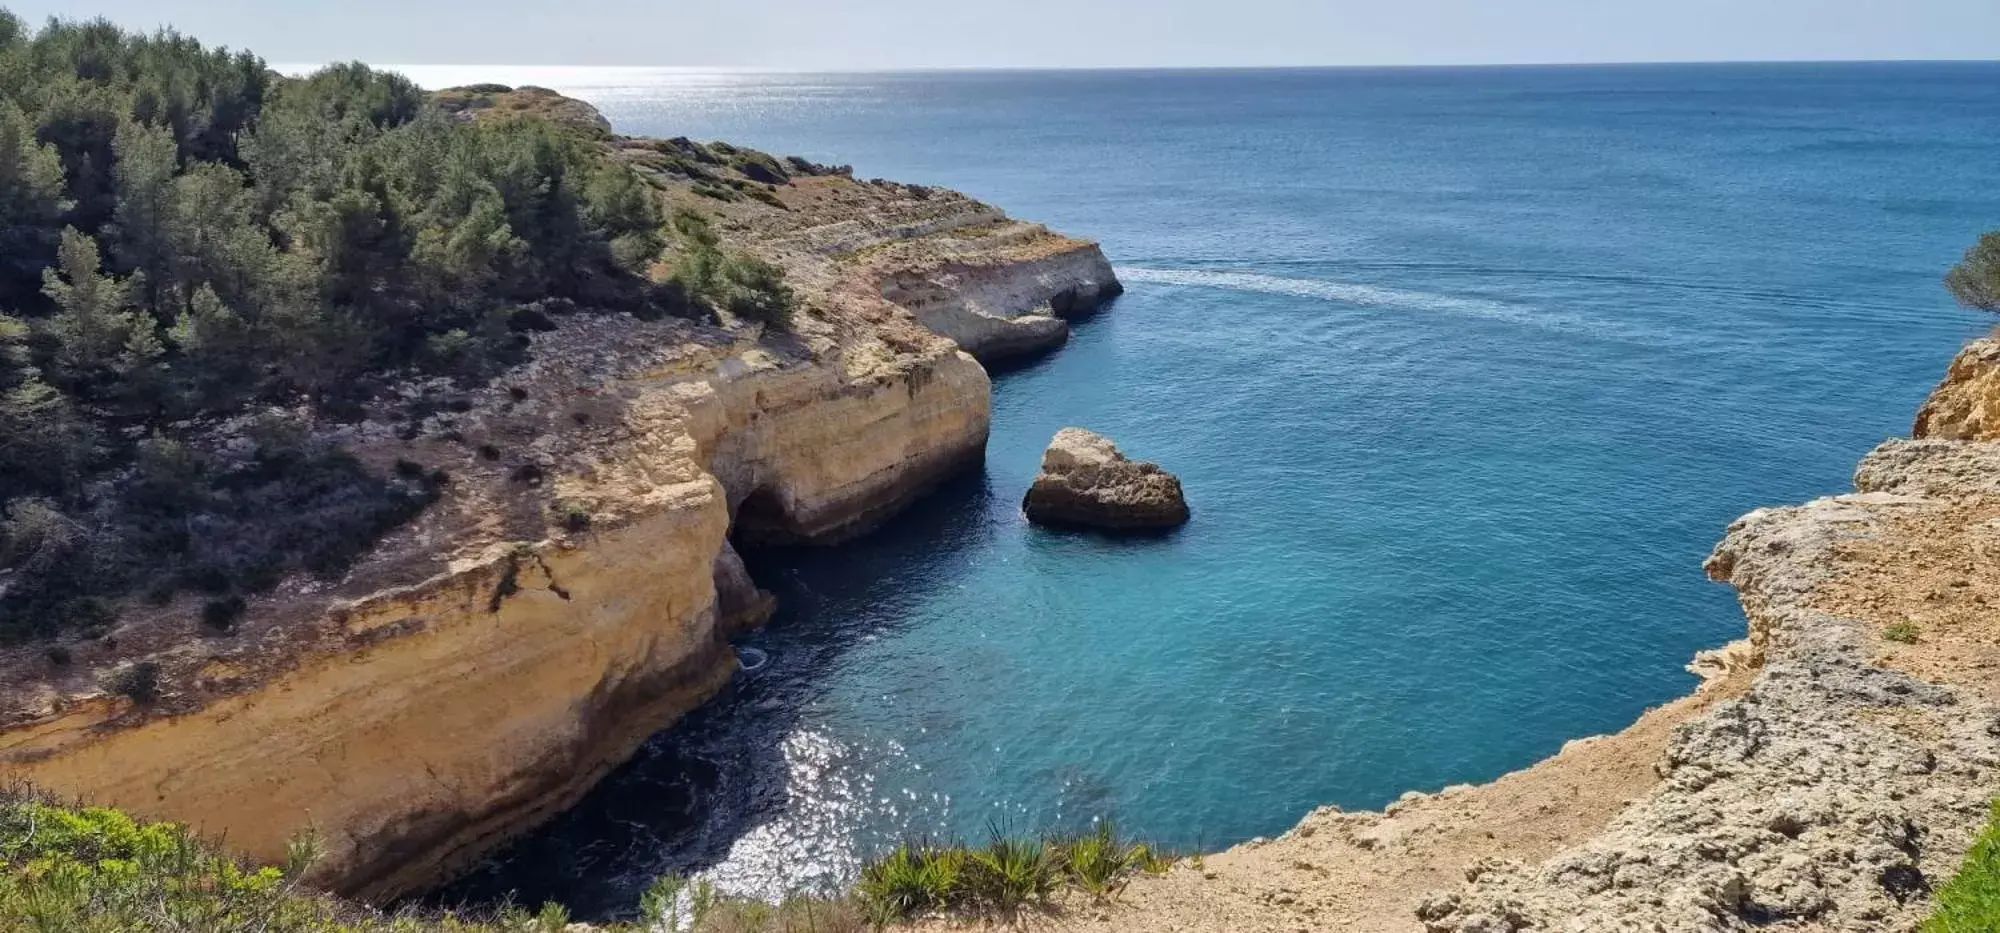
(1850, 779)
(1087, 482)
(573, 591)
(1966, 405)
(1836, 792)
(500, 102)
(994, 317)
(1829, 774)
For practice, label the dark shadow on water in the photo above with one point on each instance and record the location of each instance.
(1030, 362)
(692, 791)
(695, 789)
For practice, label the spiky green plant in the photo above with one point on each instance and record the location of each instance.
(1010, 873)
(1154, 860)
(913, 878)
(673, 904)
(1098, 861)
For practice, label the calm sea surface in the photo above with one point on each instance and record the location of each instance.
(1464, 370)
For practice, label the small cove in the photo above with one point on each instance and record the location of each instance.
(1464, 371)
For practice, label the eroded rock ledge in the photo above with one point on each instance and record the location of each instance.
(572, 592)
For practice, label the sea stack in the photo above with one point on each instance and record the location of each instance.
(1087, 482)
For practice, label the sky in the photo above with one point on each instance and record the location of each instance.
(897, 34)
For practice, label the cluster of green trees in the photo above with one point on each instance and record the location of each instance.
(185, 233)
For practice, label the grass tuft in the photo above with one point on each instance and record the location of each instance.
(1970, 902)
(1902, 633)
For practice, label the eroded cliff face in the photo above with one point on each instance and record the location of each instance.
(1832, 769)
(573, 592)
(996, 314)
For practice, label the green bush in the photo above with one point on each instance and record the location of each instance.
(138, 680)
(744, 286)
(1975, 281)
(96, 870)
(1098, 862)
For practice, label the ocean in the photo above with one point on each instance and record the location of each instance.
(1464, 371)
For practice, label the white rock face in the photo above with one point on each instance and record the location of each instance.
(1024, 311)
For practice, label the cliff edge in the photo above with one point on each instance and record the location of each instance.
(1833, 768)
(572, 590)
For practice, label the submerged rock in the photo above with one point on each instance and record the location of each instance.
(1087, 482)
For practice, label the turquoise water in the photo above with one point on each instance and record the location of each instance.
(1464, 372)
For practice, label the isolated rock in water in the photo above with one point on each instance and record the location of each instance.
(1086, 482)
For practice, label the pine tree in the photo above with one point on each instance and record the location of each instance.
(141, 239)
(99, 332)
(32, 205)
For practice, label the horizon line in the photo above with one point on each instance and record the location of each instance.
(975, 69)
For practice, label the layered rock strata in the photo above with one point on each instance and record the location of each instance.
(1087, 482)
(572, 593)
(974, 308)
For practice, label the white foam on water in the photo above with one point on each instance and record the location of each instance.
(1397, 299)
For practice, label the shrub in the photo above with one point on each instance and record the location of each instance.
(1099, 862)
(756, 290)
(94, 869)
(1010, 873)
(138, 680)
(221, 614)
(912, 879)
(1975, 281)
(572, 516)
(1904, 633)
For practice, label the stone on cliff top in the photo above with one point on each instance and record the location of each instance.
(1087, 482)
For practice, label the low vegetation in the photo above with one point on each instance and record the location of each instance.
(1005, 876)
(1970, 903)
(1975, 281)
(743, 286)
(188, 238)
(94, 870)
(70, 869)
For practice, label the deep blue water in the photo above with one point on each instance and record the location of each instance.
(1464, 370)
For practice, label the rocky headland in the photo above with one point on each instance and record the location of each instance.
(572, 590)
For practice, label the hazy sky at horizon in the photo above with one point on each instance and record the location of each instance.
(885, 34)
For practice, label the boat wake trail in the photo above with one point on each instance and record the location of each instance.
(1398, 299)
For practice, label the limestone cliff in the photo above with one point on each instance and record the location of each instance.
(975, 307)
(1832, 769)
(572, 592)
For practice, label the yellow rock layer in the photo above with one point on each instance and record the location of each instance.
(427, 724)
